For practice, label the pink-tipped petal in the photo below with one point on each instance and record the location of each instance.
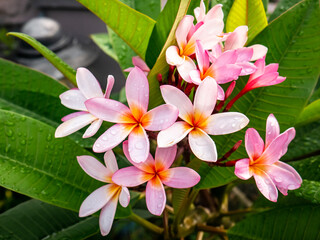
(246, 68)
(183, 29)
(260, 65)
(180, 177)
(109, 110)
(110, 161)
(227, 73)
(215, 13)
(220, 93)
(202, 57)
(94, 168)
(164, 157)
(174, 134)
(173, 56)
(185, 68)
(226, 123)
(216, 52)
(266, 185)
(254, 144)
(139, 145)
(237, 39)
(160, 117)
(131, 177)
(93, 128)
(264, 80)
(244, 54)
(273, 67)
(110, 83)
(138, 62)
(242, 169)
(97, 199)
(124, 197)
(155, 196)
(287, 167)
(107, 216)
(202, 146)
(137, 91)
(112, 137)
(259, 51)
(228, 57)
(195, 77)
(177, 98)
(205, 98)
(200, 12)
(72, 115)
(74, 124)
(73, 99)
(272, 129)
(88, 84)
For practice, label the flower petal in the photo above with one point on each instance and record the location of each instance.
(173, 134)
(246, 68)
(73, 99)
(220, 93)
(195, 77)
(124, 197)
(112, 137)
(110, 161)
(160, 117)
(226, 123)
(264, 80)
(110, 83)
(88, 84)
(200, 12)
(155, 196)
(259, 51)
(214, 13)
(137, 92)
(74, 124)
(177, 98)
(185, 68)
(164, 157)
(272, 129)
(183, 29)
(228, 57)
(94, 168)
(260, 64)
(237, 39)
(244, 54)
(254, 144)
(179, 177)
(93, 128)
(131, 177)
(266, 185)
(298, 179)
(202, 57)
(173, 56)
(242, 169)
(72, 115)
(139, 145)
(107, 216)
(227, 73)
(202, 146)
(138, 62)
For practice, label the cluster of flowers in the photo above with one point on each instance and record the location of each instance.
(204, 58)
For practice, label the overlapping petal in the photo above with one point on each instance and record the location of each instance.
(93, 128)
(131, 177)
(155, 196)
(242, 169)
(109, 86)
(254, 144)
(180, 177)
(124, 197)
(107, 216)
(73, 99)
(266, 185)
(164, 157)
(173, 56)
(138, 144)
(173, 134)
(272, 129)
(110, 161)
(88, 84)
(185, 68)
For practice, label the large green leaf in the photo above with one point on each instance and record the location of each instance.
(247, 12)
(308, 168)
(309, 190)
(37, 220)
(34, 94)
(310, 113)
(102, 40)
(282, 6)
(132, 26)
(292, 40)
(215, 176)
(63, 67)
(299, 222)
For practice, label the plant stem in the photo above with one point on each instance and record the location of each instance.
(237, 212)
(145, 223)
(200, 235)
(211, 229)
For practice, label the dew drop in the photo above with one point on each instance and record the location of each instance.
(98, 145)
(9, 133)
(104, 138)
(113, 132)
(161, 121)
(23, 142)
(233, 125)
(278, 179)
(159, 205)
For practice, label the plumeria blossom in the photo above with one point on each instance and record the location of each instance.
(197, 120)
(214, 13)
(263, 162)
(223, 69)
(106, 197)
(88, 87)
(156, 172)
(132, 121)
(138, 62)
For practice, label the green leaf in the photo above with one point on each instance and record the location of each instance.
(292, 40)
(309, 190)
(37, 220)
(310, 113)
(150, 7)
(102, 40)
(133, 27)
(299, 222)
(282, 6)
(250, 13)
(63, 67)
(308, 169)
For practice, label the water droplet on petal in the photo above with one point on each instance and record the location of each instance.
(139, 145)
(233, 125)
(113, 132)
(98, 145)
(159, 205)
(104, 138)
(278, 179)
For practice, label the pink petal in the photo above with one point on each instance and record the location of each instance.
(94, 168)
(202, 146)
(237, 39)
(73, 99)
(260, 64)
(93, 128)
(124, 197)
(185, 68)
(246, 68)
(202, 57)
(112, 137)
(138, 62)
(183, 29)
(72, 115)
(254, 144)
(205, 98)
(110, 161)
(227, 73)
(259, 51)
(287, 167)
(228, 57)
(214, 13)
(216, 51)
(195, 77)
(226, 123)
(160, 117)
(173, 56)
(97, 199)
(264, 80)
(131, 177)
(74, 124)
(155, 196)
(110, 83)
(242, 169)
(272, 129)
(177, 98)
(107, 216)
(244, 54)
(273, 67)
(137, 92)
(88, 84)
(173, 134)
(200, 12)
(139, 145)
(164, 157)
(266, 185)
(109, 110)
(179, 177)
(220, 93)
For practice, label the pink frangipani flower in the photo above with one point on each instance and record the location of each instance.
(89, 87)
(214, 13)
(263, 162)
(138, 62)
(156, 173)
(197, 120)
(106, 197)
(132, 121)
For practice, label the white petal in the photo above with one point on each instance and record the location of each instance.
(107, 216)
(173, 56)
(88, 84)
(94, 168)
(93, 128)
(205, 97)
(73, 99)
(173, 134)
(185, 68)
(110, 161)
(124, 197)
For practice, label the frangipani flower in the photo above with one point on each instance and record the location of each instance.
(198, 121)
(89, 87)
(156, 173)
(132, 121)
(263, 162)
(214, 13)
(106, 197)
(138, 62)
